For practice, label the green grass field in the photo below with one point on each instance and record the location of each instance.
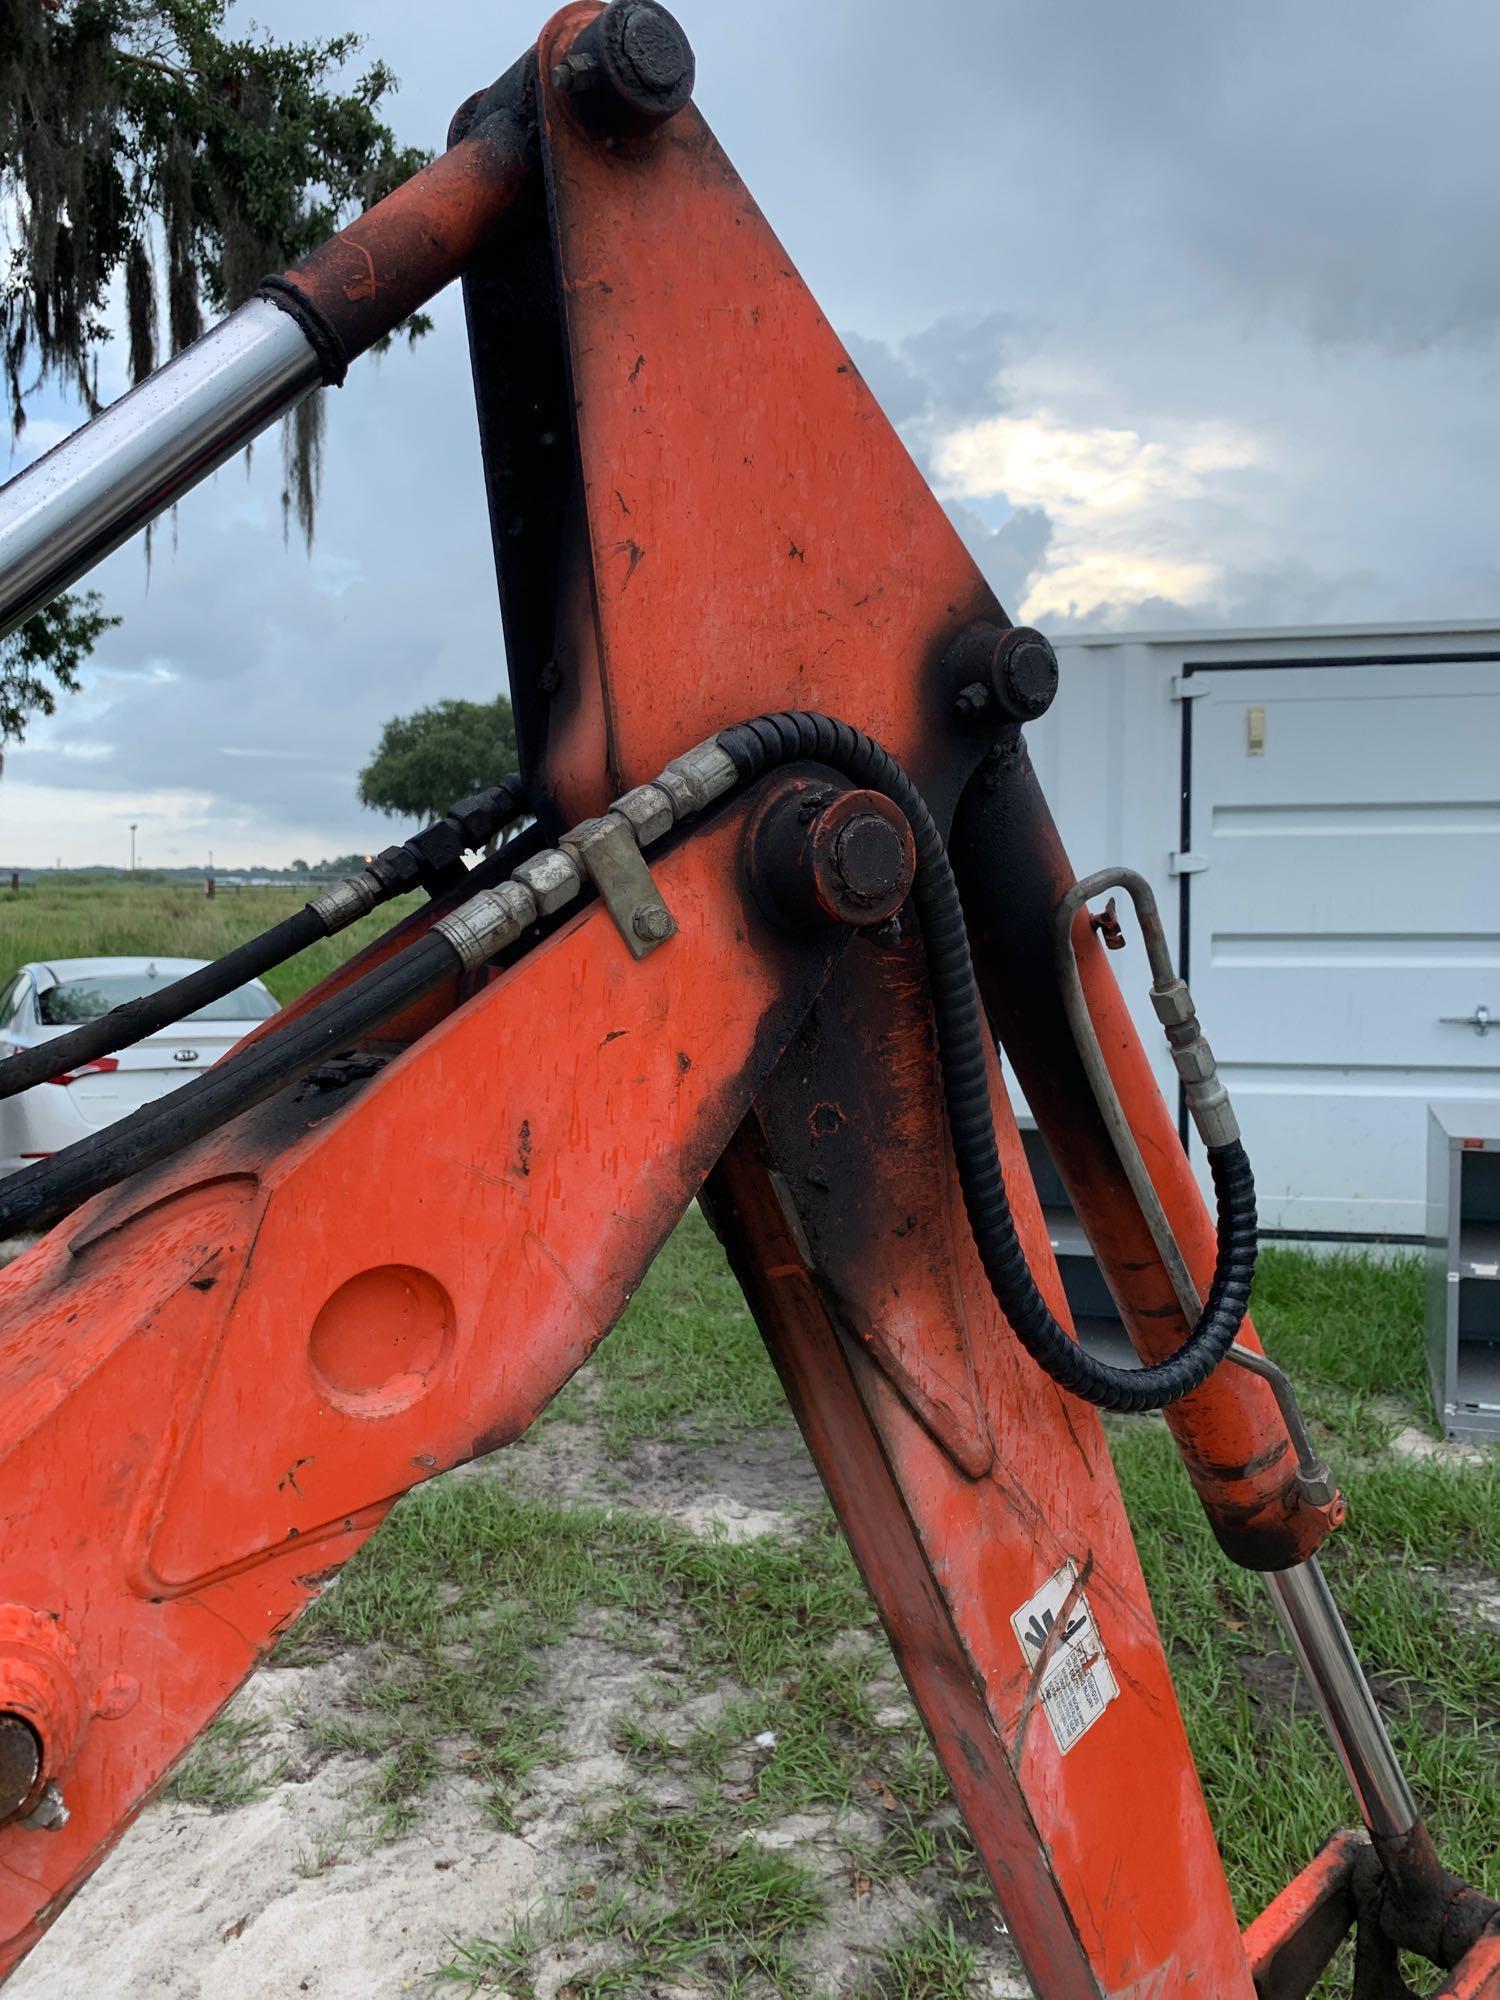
(101, 917)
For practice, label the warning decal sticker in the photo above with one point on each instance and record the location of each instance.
(1075, 1684)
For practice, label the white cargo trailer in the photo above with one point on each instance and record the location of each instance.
(1319, 810)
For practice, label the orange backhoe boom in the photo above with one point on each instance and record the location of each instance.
(220, 1373)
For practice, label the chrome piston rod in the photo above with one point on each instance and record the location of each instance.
(94, 490)
(1321, 1647)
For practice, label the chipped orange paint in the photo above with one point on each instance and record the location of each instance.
(1294, 1937)
(1478, 1978)
(789, 553)
(892, 1259)
(786, 553)
(392, 259)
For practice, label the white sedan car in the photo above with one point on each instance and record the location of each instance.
(44, 1001)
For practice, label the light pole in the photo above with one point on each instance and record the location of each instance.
(133, 826)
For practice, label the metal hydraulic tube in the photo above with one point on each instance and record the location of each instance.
(1013, 872)
(1193, 1054)
(1304, 1604)
(91, 492)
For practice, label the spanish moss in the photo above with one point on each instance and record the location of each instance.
(147, 159)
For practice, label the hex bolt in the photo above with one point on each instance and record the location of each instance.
(572, 72)
(1002, 673)
(50, 1813)
(1024, 676)
(651, 923)
(869, 858)
(820, 855)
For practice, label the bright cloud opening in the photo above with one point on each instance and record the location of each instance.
(1115, 497)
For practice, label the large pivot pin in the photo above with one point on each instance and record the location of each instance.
(629, 69)
(822, 855)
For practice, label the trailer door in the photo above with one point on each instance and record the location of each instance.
(1341, 895)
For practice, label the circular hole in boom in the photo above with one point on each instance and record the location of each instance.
(380, 1339)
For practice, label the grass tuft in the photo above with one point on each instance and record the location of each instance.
(685, 1361)
(931, 1963)
(1343, 1320)
(228, 1766)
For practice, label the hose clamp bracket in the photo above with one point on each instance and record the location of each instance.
(605, 850)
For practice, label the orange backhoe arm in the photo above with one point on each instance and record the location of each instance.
(232, 1365)
(220, 1375)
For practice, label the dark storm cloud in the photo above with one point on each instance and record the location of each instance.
(1091, 243)
(950, 370)
(1334, 163)
(1009, 555)
(963, 357)
(903, 391)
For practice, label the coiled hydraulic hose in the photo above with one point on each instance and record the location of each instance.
(772, 740)
(424, 860)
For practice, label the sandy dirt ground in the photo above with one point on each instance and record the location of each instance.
(280, 1895)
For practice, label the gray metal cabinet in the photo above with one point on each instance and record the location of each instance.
(1463, 1268)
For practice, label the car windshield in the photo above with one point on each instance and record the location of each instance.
(76, 1000)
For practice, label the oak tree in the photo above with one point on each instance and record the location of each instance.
(425, 761)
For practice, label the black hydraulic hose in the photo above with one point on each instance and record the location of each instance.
(41, 1194)
(772, 740)
(423, 861)
(133, 1020)
(38, 1195)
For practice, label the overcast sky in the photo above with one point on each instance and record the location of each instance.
(1190, 312)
